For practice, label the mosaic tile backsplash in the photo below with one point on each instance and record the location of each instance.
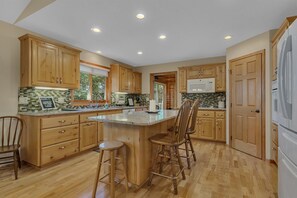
(139, 99)
(62, 98)
(206, 99)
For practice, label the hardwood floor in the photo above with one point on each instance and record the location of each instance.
(220, 171)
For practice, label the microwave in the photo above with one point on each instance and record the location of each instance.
(204, 85)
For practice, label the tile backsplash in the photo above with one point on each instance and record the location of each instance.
(206, 99)
(139, 99)
(31, 96)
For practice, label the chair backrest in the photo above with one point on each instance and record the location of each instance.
(11, 129)
(193, 114)
(182, 121)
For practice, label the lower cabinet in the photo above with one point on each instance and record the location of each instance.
(274, 143)
(46, 139)
(88, 135)
(210, 125)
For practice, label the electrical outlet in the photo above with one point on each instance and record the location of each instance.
(61, 100)
(23, 100)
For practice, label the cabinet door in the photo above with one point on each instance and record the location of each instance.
(220, 130)
(123, 79)
(100, 131)
(130, 83)
(208, 72)
(274, 61)
(138, 82)
(69, 69)
(182, 74)
(194, 72)
(206, 128)
(88, 135)
(44, 64)
(220, 78)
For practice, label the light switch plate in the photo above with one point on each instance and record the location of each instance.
(61, 100)
(23, 100)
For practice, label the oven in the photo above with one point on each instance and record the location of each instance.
(274, 102)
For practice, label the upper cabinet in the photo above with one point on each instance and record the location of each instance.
(182, 75)
(221, 78)
(285, 25)
(123, 79)
(217, 71)
(49, 65)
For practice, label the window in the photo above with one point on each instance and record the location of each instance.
(92, 87)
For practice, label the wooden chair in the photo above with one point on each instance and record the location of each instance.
(167, 147)
(10, 134)
(112, 147)
(191, 130)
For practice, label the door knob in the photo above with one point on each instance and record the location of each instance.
(257, 111)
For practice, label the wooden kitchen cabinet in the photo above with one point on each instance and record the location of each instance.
(46, 139)
(208, 71)
(221, 78)
(210, 125)
(88, 135)
(274, 142)
(182, 75)
(206, 128)
(137, 81)
(285, 25)
(124, 79)
(48, 64)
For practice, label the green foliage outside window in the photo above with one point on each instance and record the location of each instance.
(98, 87)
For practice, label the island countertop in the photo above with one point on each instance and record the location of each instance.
(140, 118)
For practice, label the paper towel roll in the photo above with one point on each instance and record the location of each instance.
(152, 105)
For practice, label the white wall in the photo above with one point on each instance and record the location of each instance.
(257, 43)
(10, 66)
(168, 67)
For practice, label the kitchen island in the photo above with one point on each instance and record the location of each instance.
(134, 129)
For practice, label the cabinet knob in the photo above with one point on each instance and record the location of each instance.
(62, 121)
(57, 80)
(63, 131)
(62, 147)
(61, 81)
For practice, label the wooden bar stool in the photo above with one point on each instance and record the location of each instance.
(191, 130)
(168, 144)
(112, 147)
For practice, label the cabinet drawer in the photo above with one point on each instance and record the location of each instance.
(84, 117)
(274, 134)
(274, 153)
(58, 151)
(60, 134)
(58, 121)
(207, 114)
(220, 114)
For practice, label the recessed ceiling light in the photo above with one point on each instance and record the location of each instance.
(98, 52)
(94, 29)
(140, 16)
(228, 37)
(139, 53)
(162, 36)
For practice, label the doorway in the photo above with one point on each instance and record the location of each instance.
(247, 96)
(164, 81)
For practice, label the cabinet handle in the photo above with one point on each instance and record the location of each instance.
(62, 147)
(63, 131)
(62, 121)
(61, 81)
(90, 124)
(57, 80)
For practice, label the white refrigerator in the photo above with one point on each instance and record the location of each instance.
(287, 113)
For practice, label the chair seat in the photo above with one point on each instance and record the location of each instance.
(164, 139)
(7, 149)
(111, 145)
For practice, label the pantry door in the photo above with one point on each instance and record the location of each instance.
(247, 103)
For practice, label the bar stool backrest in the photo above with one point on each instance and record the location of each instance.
(182, 121)
(193, 115)
(10, 130)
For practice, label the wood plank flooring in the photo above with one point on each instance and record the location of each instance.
(219, 172)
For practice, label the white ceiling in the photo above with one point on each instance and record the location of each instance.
(195, 29)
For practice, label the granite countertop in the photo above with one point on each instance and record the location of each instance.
(212, 108)
(60, 112)
(140, 118)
